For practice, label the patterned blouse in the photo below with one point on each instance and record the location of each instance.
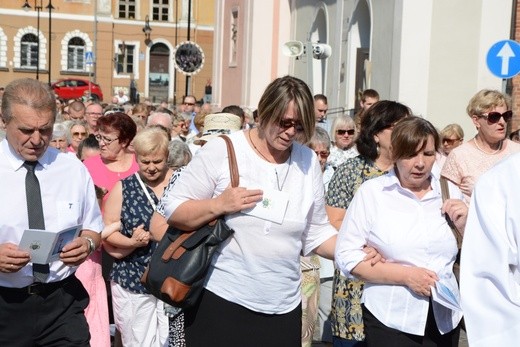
(339, 156)
(346, 315)
(136, 210)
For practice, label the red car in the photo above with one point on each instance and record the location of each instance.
(74, 88)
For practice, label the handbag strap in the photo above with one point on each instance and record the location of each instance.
(145, 190)
(445, 192)
(232, 160)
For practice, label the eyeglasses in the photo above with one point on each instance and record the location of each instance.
(323, 154)
(189, 103)
(105, 140)
(77, 134)
(289, 123)
(343, 132)
(494, 117)
(450, 141)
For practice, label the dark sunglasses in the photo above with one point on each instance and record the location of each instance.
(343, 132)
(494, 117)
(289, 123)
(323, 154)
(450, 141)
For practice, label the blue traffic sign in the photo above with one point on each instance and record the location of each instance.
(503, 59)
(89, 57)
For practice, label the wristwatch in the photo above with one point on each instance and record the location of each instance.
(91, 244)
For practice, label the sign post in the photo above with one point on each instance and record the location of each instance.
(503, 59)
(89, 60)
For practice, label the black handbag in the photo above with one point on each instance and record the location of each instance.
(179, 264)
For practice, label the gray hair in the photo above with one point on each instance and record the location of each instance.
(60, 130)
(320, 137)
(180, 154)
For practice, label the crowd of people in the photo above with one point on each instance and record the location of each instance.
(359, 250)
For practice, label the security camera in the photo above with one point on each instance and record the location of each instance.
(321, 51)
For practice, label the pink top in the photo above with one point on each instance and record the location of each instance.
(103, 177)
(466, 163)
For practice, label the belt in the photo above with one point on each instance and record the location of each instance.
(38, 288)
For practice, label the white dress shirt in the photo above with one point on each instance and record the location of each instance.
(68, 199)
(405, 230)
(258, 267)
(490, 280)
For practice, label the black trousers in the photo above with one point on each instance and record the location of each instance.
(52, 317)
(219, 323)
(377, 334)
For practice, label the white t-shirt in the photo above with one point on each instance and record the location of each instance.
(258, 267)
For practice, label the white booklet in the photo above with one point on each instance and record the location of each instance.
(44, 245)
(446, 294)
(272, 207)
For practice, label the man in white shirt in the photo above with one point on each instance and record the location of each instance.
(489, 277)
(50, 309)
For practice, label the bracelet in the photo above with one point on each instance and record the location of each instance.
(91, 244)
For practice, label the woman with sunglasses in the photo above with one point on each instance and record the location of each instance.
(252, 292)
(343, 133)
(490, 111)
(375, 159)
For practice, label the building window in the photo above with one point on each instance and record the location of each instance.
(29, 51)
(76, 54)
(125, 59)
(160, 10)
(127, 9)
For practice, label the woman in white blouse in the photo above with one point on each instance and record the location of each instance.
(402, 215)
(252, 292)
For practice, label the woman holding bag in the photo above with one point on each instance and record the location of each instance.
(252, 291)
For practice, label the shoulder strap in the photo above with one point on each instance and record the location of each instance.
(233, 168)
(445, 191)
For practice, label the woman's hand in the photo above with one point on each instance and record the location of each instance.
(457, 210)
(140, 236)
(419, 280)
(237, 199)
(373, 255)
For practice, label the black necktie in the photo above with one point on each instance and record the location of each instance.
(35, 213)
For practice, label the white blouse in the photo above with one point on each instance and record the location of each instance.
(407, 231)
(259, 266)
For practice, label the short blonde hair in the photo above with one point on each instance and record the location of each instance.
(151, 140)
(485, 100)
(452, 129)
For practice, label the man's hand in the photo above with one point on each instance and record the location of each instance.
(12, 259)
(75, 252)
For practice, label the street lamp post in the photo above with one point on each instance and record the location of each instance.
(38, 7)
(50, 8)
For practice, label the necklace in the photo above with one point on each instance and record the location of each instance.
(483, 151)
(280, 186)
(256, 149)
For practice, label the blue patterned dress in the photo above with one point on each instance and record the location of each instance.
(135, 210)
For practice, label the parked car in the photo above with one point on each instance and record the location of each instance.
(74, 88)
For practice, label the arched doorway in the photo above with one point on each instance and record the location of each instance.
(159, 77)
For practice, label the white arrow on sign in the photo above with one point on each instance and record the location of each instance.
(505, 53)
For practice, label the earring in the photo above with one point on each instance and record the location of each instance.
(378, 149)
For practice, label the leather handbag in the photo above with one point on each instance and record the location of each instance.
(179, 265)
